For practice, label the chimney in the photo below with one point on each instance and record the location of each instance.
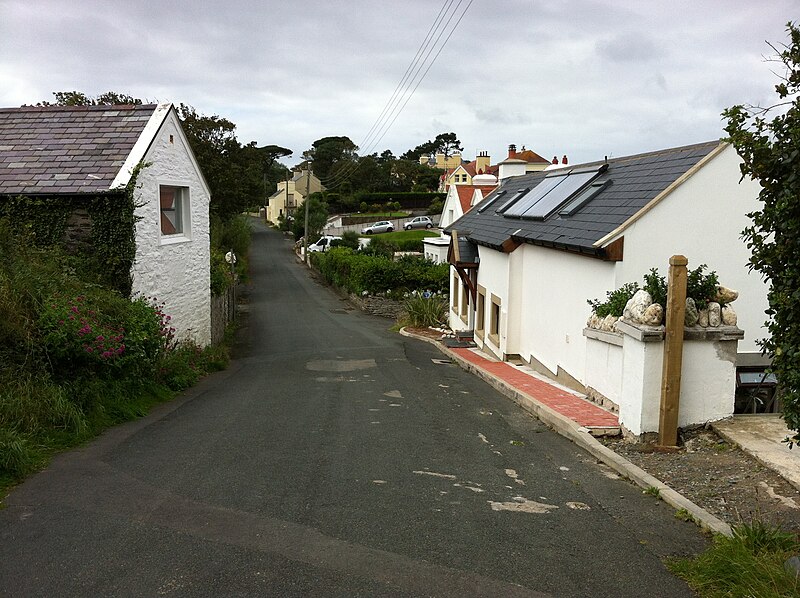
(512, 151)
(555, 159)
(564, 159)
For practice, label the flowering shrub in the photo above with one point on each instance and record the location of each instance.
(104, 333)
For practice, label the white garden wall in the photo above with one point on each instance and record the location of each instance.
(175, 268)
(626, 368)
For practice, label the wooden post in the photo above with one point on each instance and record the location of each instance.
(673, 352)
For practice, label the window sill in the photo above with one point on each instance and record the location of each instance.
(174, 239)
(495, 340)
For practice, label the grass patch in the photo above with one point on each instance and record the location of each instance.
(652, 491)
(750, 563)
(403, 235)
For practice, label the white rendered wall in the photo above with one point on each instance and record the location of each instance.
(703, 220)
(493, 275)
(555, 288)
(452, 208)
(708, 382)
(174, 269)
(604, 368)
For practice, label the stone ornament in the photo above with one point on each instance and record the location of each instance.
(714, 314)
(729, 316)
(691, 315)
(725, 295)
(636, 306)
(702, 318)
(653, 315)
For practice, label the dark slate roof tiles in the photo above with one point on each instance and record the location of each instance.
(66, 149)
(635, 181)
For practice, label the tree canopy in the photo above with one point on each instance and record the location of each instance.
(770, 152)
(444, 143)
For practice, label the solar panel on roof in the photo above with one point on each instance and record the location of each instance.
(582, 198)
(573, 183)
(514, 199)
(490, 202)
(540, 191)
(552, 192)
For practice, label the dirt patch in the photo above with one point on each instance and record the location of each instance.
(718, 477)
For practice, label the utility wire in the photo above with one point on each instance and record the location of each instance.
(412, 76)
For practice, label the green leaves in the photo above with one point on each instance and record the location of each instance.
(770, 152)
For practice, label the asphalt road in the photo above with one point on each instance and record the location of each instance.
(334, 458)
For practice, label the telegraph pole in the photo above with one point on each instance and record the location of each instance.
(305, 232)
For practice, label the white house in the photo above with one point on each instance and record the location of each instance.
(460, 199)
(530, 256)
(91, 151)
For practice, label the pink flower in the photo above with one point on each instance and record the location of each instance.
(89, 350)
(100, 338)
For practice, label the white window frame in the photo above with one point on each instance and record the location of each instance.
(183, 203)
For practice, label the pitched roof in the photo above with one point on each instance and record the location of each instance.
(472, 168)
(465, 193)
(531, 157)
(67, 149)
(632, 182)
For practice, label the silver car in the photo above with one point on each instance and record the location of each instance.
(419, 222)
(384, 226)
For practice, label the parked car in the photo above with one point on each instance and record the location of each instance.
(419, 222)
(384, 226)
(323, 243)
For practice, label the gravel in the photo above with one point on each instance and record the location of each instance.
(718, 477)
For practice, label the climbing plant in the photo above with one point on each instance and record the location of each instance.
(111, 246)
(770, 152)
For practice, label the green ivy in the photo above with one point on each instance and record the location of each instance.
(113, 229)
(770, 152)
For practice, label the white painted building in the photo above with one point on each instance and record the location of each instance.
(172, 235)
(530, 260)
(91, 151)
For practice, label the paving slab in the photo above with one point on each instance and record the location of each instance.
(762, 436)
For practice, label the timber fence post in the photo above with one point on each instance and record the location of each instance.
(673, 352)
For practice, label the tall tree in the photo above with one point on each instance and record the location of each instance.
(327, 152)
(770, 151)
(445, 143)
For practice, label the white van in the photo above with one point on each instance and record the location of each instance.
(323, 243)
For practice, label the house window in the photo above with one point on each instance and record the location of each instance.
(174, 203)
(480, 312)
(494, 320)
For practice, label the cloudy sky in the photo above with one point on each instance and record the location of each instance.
(583, 78)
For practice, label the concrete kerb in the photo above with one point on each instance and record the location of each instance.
(581, 436)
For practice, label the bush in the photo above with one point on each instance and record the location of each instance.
(423, 310)
(436, 207)
(699, 286)
(357, 272)
(615, 301)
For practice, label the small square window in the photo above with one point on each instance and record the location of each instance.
(174, 209)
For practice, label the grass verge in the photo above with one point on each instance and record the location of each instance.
(748, 564)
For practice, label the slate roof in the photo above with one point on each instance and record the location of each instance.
(66, 149)
(465, 193)
(634, 182)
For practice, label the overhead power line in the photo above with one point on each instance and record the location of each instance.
(420, 65)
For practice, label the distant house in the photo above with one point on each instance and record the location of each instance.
(530, 255)
(466, 171)
(459, 200)
(522, 162)
(292, 193)
(91, 151)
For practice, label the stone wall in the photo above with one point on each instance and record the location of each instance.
(223, 311)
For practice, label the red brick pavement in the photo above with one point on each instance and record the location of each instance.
(581, 411)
